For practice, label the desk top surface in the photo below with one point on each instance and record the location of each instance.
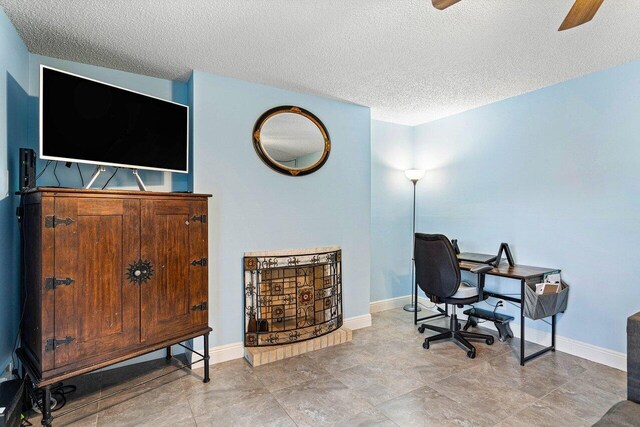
(515, 272)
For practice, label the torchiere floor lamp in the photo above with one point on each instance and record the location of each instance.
(414, 175)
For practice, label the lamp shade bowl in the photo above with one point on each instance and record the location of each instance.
(414, 175)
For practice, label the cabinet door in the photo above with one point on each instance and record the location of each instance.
(99, 308)
(174, 300)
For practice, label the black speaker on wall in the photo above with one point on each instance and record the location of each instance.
(27, 169)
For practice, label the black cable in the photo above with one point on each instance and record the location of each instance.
(110, 178)
(59, 392)
(495, 308)
(54, 173)
(80, 172)
(433, 305)
(24, 279)
(44, 169)
(514, 304)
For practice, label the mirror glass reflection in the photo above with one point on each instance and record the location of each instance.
(292, 140)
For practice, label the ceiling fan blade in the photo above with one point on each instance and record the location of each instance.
(443, 4)
(581, 12)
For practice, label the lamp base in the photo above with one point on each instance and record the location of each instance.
(411, 308)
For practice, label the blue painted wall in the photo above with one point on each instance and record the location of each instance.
(14, 79)
(556, 173)
(391, 210)
(255, 208)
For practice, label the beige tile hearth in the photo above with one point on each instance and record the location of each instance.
(257, 356)
(382, 377)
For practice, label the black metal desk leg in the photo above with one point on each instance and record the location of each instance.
(553, 332)
(46, 407)
(415, 303)
(206, 358)
(168, 356)
(522, 283)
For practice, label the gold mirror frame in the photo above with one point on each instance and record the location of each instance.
(277, 166)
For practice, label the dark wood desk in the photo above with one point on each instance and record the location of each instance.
(525, 274)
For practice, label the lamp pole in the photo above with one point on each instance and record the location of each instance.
(414, 176)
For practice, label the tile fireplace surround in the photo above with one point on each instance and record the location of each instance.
(293, 302)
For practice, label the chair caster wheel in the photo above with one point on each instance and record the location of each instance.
(490, 341)
(421, 329)
(425, 345)
(471, 354)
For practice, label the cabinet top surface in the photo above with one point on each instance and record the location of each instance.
(59, 191)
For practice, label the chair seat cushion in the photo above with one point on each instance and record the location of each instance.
(465, 291)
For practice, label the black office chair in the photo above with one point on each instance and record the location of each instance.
(438, 275)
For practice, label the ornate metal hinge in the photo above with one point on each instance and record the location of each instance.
(202, 262)
(52, 282)
(53, 343)
(51, 221)
(200, 307)
(201, 218)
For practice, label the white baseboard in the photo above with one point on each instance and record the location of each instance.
(604, 356)
(358, 322)
(388, 304)
(227, 352)
(222, 353)
(577, 348)
(5, 369)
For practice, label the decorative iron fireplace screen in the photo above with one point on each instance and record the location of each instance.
(293, 297)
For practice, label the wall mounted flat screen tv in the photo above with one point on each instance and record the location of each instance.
(86, 121)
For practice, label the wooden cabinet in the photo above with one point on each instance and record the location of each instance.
(174, 232)
(95, 304)
(110, 275)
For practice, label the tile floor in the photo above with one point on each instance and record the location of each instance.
(384, 377)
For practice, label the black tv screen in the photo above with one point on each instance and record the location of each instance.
(86, 121)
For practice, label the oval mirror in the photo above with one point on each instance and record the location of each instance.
(291, 140)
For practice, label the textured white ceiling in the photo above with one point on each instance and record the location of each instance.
(406, 60)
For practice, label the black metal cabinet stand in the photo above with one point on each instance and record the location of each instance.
(45, 407)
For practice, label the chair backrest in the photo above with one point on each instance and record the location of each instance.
(437, 269)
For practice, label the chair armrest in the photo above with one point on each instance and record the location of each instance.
(482, 268)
